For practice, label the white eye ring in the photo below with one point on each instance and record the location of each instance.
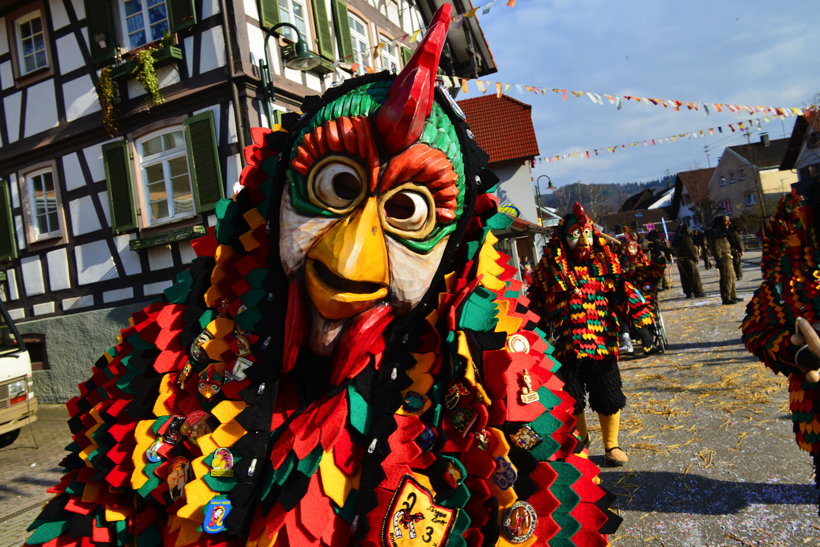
(409, 211)
(336, 183)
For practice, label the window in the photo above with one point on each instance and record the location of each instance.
(732, 177)
(166, 182)
(31, 43)
(143, 22)
(750, 199)
(133, 23)
(42, 204)
(175, 174)
(36, 346)
(295, 13)
(389, 55)
(722, 180)
(741, 175)
(360, 41)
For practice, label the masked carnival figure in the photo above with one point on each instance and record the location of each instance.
(358, 359)
(783, 316)
(644, 274)
(581, 294)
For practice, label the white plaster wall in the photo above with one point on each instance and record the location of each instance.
(151, 289)
(6, 75)
(11, 104)
(80, 98)
(160, 257)
(167, 75)
(41, 108)
(251, 10)
(43, 309)
(68, 53)
(94, 159)
(516, 185)
(17, 314)
(20, 229)
(233, 170)
(11, 276)
(118, 294)
(213, 50)
(209, 7)
(104, 203)
(94, 263)
(77, 302)
(130, 259)
(14, 188)
(186, 252)
(79, 9)
(32, 272)
(73, 174)
(58, 269)
(83, 217)
(59, 17)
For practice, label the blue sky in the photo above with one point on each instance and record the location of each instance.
(718, 51)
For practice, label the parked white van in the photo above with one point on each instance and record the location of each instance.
(18, 405)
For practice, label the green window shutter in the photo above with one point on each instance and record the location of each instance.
(99, 20)
(118, 182)
(323, 34)
(268, 12)
(183, 14)
(203, 156)
(8, 240)
(342, 25)
(406, 53)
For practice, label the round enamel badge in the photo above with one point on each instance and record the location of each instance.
(519, 522)
(518, 343)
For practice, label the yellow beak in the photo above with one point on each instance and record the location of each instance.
(347, 268)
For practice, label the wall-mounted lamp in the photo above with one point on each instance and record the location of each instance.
(296, 57)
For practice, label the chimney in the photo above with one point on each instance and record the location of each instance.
(764, 139)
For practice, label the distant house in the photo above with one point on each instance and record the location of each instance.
(691, 195)
(642, 212)
(503, 128)
(747, 173)
(803, 152)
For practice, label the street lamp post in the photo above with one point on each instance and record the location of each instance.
(302, 59)
(538, 195)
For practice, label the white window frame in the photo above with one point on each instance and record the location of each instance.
(141, 186)
(388, 54)
(18, 23)
(360, 41)
(29, 199)
(287, 14)
(146, 23)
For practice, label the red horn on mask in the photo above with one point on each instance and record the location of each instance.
(400, 120)
(580, 214)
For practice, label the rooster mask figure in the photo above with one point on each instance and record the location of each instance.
(376, 376)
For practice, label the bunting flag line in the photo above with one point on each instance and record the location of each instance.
(594, 152)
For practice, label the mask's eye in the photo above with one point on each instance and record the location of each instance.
(575, 234)
(409, 211)
(587, 233)
(336, 183)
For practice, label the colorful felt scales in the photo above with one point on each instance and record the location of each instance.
(790, 289)
(349, 360)
(583, 300)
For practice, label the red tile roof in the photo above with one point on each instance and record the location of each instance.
(697, 182)
(502, 127)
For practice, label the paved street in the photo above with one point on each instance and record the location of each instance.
(712, 458)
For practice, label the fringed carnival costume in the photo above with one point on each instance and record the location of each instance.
(789, 296)
(581, 294)
(638, 269)
(348, 362)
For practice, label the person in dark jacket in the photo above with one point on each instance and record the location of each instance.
(687, 254)
(736, 243)
(699, 239)
(721, 247)
(659, 251)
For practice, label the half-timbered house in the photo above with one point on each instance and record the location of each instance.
(122, 124)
